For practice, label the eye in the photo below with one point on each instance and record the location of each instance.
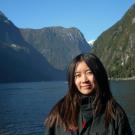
(77, 75)
(89, 72)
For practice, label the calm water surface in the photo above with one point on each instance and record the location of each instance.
(24, 106)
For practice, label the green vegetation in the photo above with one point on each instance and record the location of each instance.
(116, 47)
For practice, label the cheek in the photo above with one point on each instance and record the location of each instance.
(91, 79)
(77, 83)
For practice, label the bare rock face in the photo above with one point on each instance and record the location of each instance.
(57, 44)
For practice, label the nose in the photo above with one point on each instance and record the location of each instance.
(84, 78)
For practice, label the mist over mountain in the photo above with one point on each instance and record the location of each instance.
(116, 47)
(37, 55)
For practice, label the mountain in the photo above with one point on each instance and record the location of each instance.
(116, 47)
(19, 61)
(37, 55)
(57, 44)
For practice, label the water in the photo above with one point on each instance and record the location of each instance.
(24, 106)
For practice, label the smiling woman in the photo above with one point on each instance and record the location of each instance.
(84, 78)
(88, 107)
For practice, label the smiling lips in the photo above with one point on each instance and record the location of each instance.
(86, 86)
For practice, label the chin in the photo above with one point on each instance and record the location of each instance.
(87, 92)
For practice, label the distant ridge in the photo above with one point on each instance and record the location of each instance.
(57, 44)
(37, 55)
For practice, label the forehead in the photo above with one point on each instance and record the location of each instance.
(80, 66)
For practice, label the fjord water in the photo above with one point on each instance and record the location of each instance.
(24, 106)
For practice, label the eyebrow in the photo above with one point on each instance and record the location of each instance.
(79, 71)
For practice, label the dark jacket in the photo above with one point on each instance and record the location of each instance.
(90, 124)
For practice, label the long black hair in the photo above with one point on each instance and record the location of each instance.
(65, 112)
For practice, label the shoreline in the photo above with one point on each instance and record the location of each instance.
(127, 78)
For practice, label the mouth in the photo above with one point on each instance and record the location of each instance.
(86, 86)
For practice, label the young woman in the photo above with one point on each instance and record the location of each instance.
(88, 108)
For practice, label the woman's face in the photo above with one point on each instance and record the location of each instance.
(84, 78)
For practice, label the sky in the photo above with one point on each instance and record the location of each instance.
(91, 17)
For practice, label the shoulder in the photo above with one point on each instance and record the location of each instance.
(50, 130)
(120, 112)
(54, 114)
(122, 122)
(58, 105)
(56, 130)
(121, 116)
